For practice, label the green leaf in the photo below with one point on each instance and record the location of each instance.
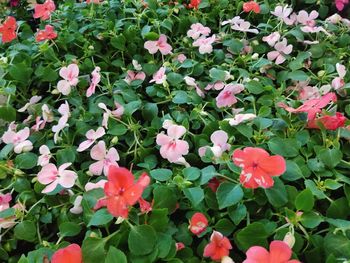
(208, 173)
(217, 74)
(119, 42)
(115, 255)
(191, 173)
(311, 219)
(224, 226)
(330, 157)
(20, 72)
(93, 249)
(277, 195)
(254, 87)
(293, 171)
(194, 194)
(164, 197)
(159, 219)
(142, 240)
(174, 78)
(116, 129)
(7, 212)
(150, 111)
(151, 36)
(237, 214)
(26, 230)
(284, 147)
(234, 45)
(7, 113)
(66, 155)
(337, 244)
(69, 229)
(161, 175)
(229, 194)
(101, 217)
(180, 97)
(26, 160)
(254, 234)
(339, 209)
(305, 200)
(298, 75)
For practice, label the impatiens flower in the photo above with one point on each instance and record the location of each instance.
(14, 3)
(18, 139)
(117, 113)
(282, 49)
(145, 206)
(258, 167)
(198, 223)
(194, 4)
(62, 122)
(283, 13)
(45, 155)
(218, 85)
(8, 29)
(43, 11)
(90, 186)
(39, 124)
(205, 44)
(96, 78)
(334, 19)
(179, 246)
(339, 82)
(70, 78)
(181, 58)
(192, 83)
(160, 45)
(239, 24)
(280, 252)
(220, 145)
(272, 38)
(91, 136)
(328, 122)
(70, 254)
(340, 4)
(121, 190)
(218, 247)
(32, 101)
(132, 75)
(77, 208)
(226, 97)
(251, 6)
(307, 19)
(159, 77)
(197, 30)
(241, 117)
(103, 157)
(51, 176)
(47, 34)
(5, 200)
(171, 147)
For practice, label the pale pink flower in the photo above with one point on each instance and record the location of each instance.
(307, 19)
(77, 208)
(226, 97)
(167, 124)
(181, 58)
(282, 49)
(334, 19)
(197, 30)
(218, 85)
(160, 45)
(5, 200)
(10, 221)
(241, 117)
(51, 176)
(91, 136)
(70, 78)
(205, 44)
(63, 109)
(182, 161)
(62, 122)
(309, 92)
(96, 78)
(33, 100)
(103, 157)
(100, 184)
(314, 29)
(117, 113)
(219, 139)
(235, 20)
(272, 38)
(244, 26)
(45, 156)
(339, 82)
(171, 147)
(159, 77)
(39, 124)
(132, 75)
(192, 83)
(284, 13)
(18, 139)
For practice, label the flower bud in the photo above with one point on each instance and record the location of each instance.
(227, 259)
(289, 239)
(255, 56)
(321, 73)
(114, 140)
(55, 92)
(119, 220)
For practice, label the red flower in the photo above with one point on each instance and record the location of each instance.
(44, 10)
(258, 167)
(121, 191)
(145, 206)
(194, 4)
(251, 6)
(8, 29)
(179, 246)
(198, 223)
(46, 34)
(14, 3)
(329, 122)
(70, 254)
(214, 184)
(218, 247)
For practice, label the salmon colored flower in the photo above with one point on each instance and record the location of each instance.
(47, 34)
(198, 223)
(258, 167)
(8, 29)
(160, 45)
(280, 252)
(70, 254)
(44, 10)
(251, 6)
(194, 4)
(218, 247)
(121, 191)
(327, 121)
(5, 200)
(179, 246)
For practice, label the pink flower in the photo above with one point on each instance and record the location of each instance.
(33, 100)
(100, 184)
(218, 85)
(179, 246)
(239, 24)
(172, 148)
(338, 82)
(145, 206)
(340, 4)
(91, 136)
(226, 97)
(43, 11)
(70, 78)
(160, 44)
(39, 124)
(239, 118)
(103, 157)
(205, 44)
(51, 176)
(280, 252)
(197, 30)
(219, 139)
(117, 113)
(282, 49)
(5, 200)
(96, 78)
(284, 13)
(18, 139)
(45, 156)
(132, 75)
(159, 77)
(334, 19)
(192, 83)
(307, 19)
(181, 58)
(62, 122)
(272, 38)
(309, 92)
(77, 208)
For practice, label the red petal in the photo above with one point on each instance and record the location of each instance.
(117, 206)
(120, 176)
(273, 165)
(70, 254)
(279, 251)
(132, 194)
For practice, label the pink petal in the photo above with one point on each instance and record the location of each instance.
(97, 167)
(50, 187)
(151, 46)
(163, 139)
(280, 59)
(279, 251)
(64, 87)
(272, 55)
(98, 152)
(47, 174)
(176, 131)
(67, 179)
(219, 137)
(85, 145)
(257, 254)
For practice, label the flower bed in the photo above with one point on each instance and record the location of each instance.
(160, 131)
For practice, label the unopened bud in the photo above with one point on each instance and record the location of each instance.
(321, 73)
(115, 140)
(55, 92)
(255, 56)
(119, 220)
(289, 239)
(227, 259)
